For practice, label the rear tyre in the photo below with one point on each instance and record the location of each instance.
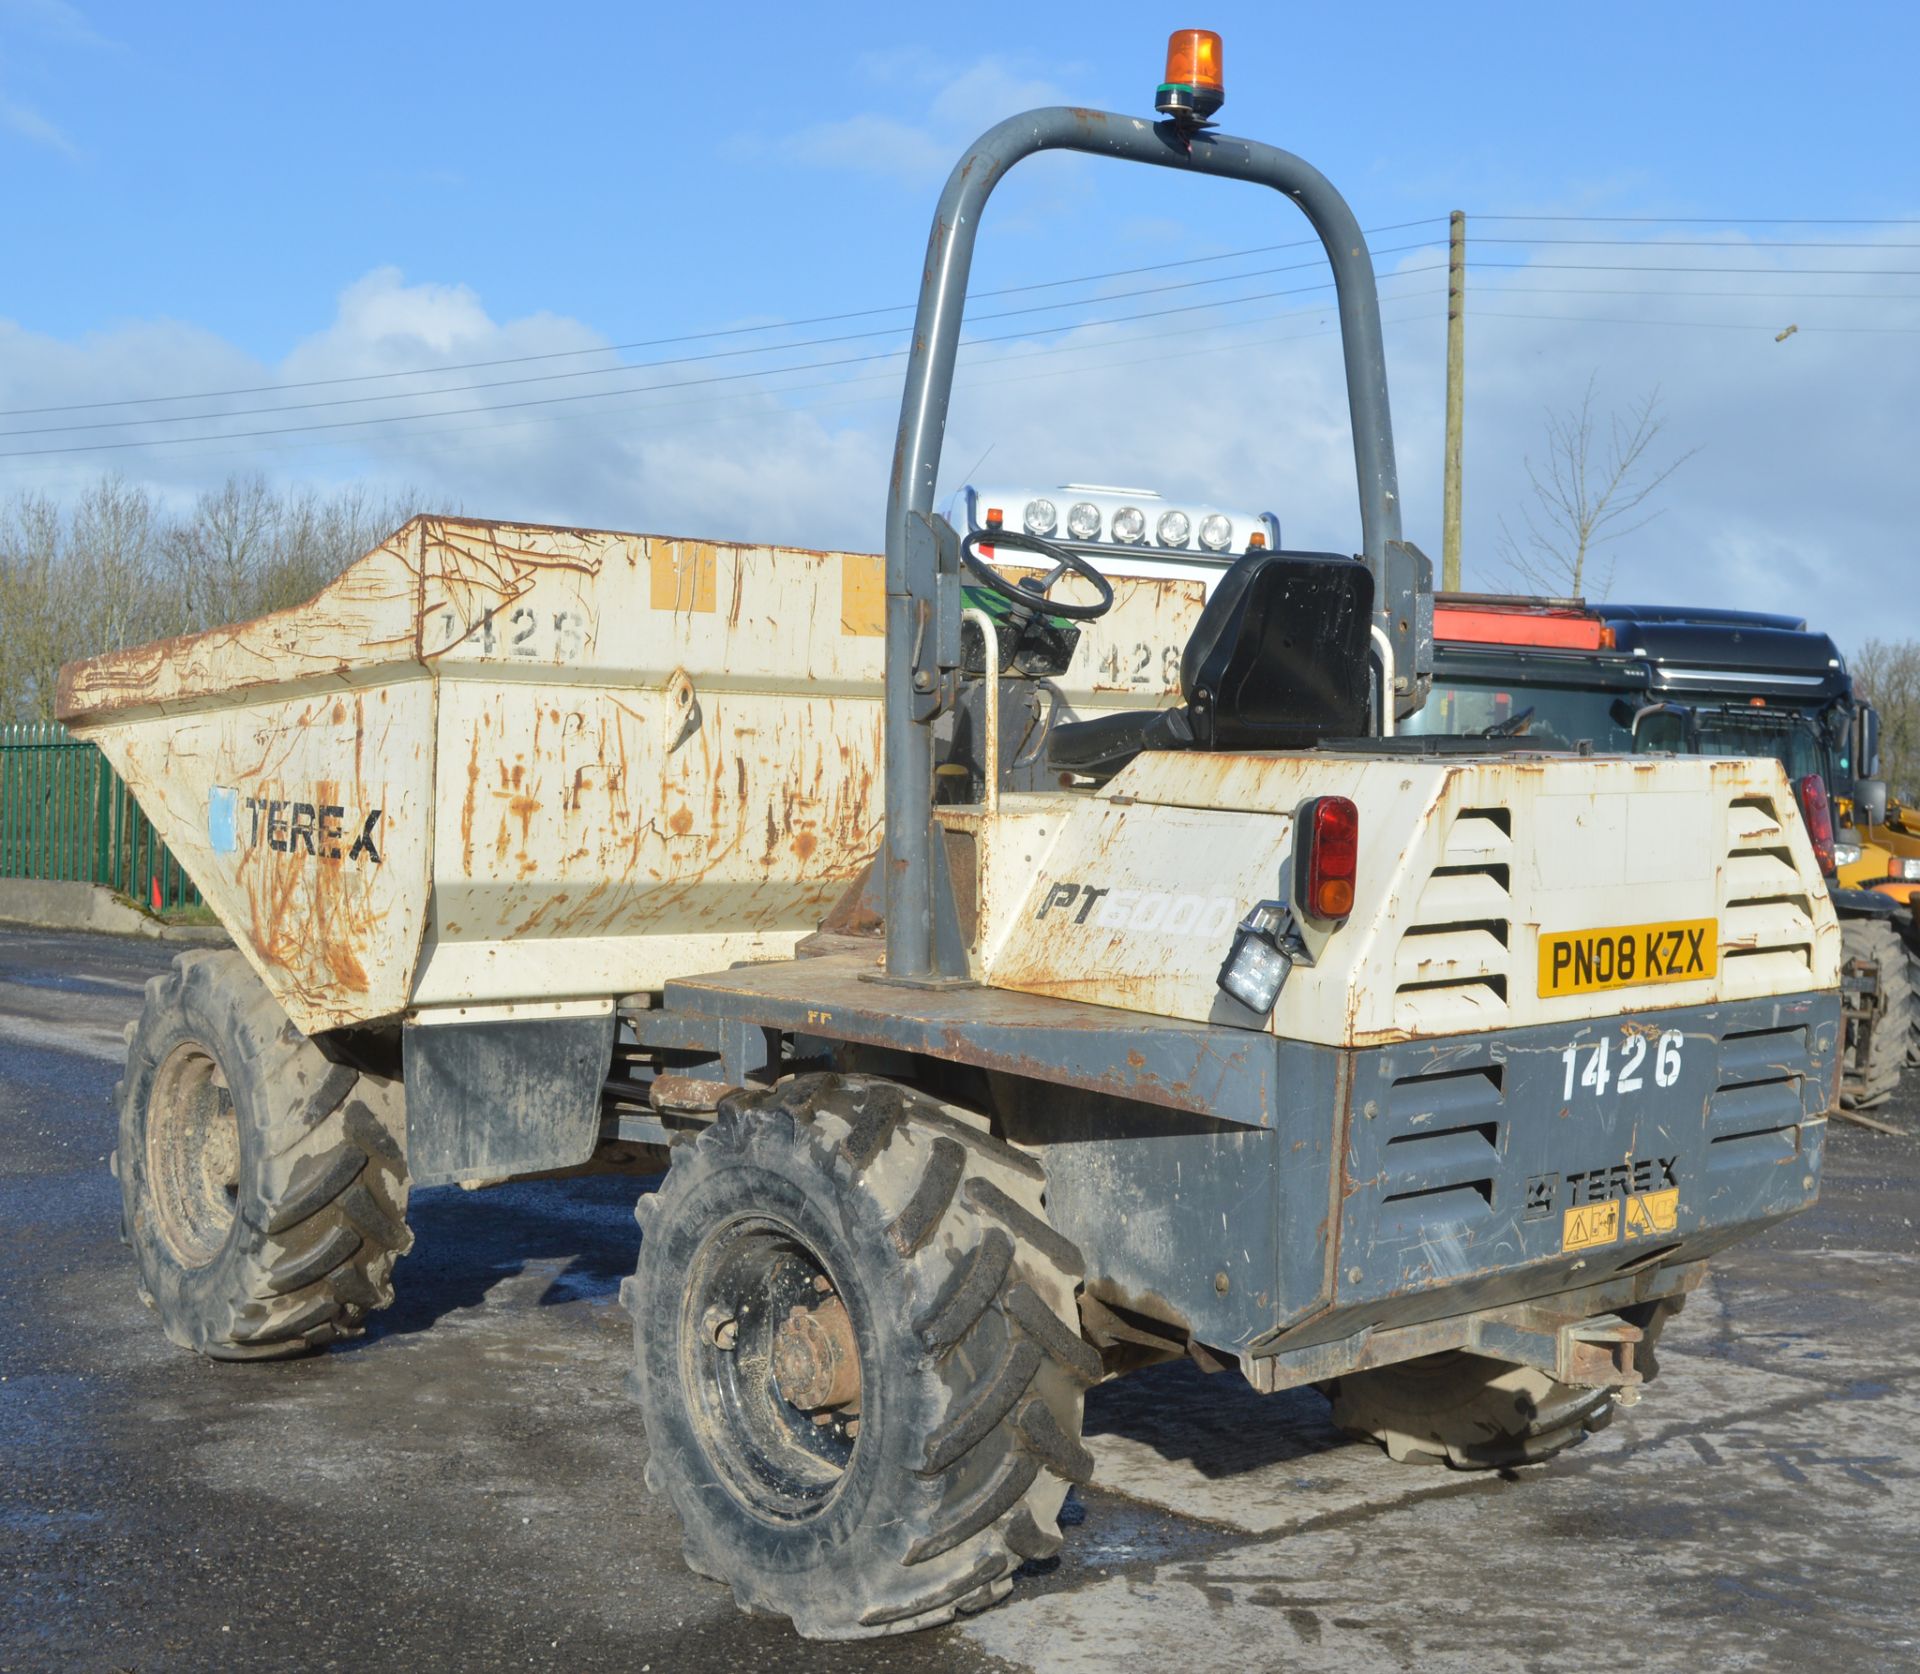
(1872, 1080)
(857, 1357)
(1473, 1413)
(263, 1186)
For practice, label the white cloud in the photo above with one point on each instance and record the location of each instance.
(916, 151)
(871, 144)
(54, 20)
(29, 124)
(1798, 499)
(62, 24)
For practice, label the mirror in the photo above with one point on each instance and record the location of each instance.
(1866, 751)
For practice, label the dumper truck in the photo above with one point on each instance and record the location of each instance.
(1002, 1023)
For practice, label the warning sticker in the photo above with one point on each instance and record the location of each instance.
(1653, 1213)
(1590, 1225)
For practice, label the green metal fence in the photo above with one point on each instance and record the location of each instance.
(65, 815)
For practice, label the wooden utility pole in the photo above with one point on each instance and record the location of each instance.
(1456, 404)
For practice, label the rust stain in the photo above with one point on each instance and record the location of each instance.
(466, 807)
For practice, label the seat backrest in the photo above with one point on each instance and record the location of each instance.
(1279, 657)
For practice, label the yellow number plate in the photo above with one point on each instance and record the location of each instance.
(1587, 961)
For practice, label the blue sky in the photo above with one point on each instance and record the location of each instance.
(214, 197)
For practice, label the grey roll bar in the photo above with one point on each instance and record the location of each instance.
(923, 598)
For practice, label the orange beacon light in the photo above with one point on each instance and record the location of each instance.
(1195, 86)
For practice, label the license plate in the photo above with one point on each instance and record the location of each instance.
(1627, 956)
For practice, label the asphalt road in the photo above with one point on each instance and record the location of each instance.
(461, 1489)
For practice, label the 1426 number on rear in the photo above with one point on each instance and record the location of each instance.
(1600, 1074)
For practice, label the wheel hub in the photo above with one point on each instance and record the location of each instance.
(816, 1358)
(193, 1154)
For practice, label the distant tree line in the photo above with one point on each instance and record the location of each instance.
(116, 568)
(1888, 671)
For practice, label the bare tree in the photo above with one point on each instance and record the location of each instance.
(117, 571)
(113, 594)
(1584, 498)
(1888, 672)
(32, 544)
(215, 554)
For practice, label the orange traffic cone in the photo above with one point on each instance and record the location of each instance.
(156, 896)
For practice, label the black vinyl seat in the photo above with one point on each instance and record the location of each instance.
(1277, 661)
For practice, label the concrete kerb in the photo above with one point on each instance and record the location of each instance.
(84, 906)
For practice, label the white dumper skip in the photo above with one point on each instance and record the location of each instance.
(498, 764)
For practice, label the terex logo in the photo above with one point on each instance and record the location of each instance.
(1623, 1179)
(1156, 910)
(325, 830)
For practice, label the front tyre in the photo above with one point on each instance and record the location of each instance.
(263, 1186)
(858, 1357)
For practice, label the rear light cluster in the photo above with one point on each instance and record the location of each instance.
(1818, 813)
(1904, 869)
(1329, 833)
(1267, 943)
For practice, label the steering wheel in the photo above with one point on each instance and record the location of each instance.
(1029, 592)
(1513, 726)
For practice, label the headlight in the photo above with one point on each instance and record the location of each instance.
(1040, 517)
(1130, 525)
(1083, 521)
(1173, 528)
(1846, 854)
(1216, 532)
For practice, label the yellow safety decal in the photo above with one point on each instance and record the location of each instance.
(1627, 956)
(683, 576)
(863, 595)
(1591, 1225)
(1651, 1214)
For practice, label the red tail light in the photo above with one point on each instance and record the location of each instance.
(1326, 852)
(1818, 813)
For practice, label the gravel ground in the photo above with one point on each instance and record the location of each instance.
(460, 1489)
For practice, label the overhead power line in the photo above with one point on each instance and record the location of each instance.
(701, 336)
(679, 360)
(686, 383)
(1503, 287)
(1702, 243)
(968, 381)
(1757, 272)
(1713, 220)
(1689, 325)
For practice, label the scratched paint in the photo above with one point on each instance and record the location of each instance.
(1464, 864)
(601, 760)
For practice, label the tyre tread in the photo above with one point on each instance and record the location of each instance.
(306, 1265)
(988, 1287)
